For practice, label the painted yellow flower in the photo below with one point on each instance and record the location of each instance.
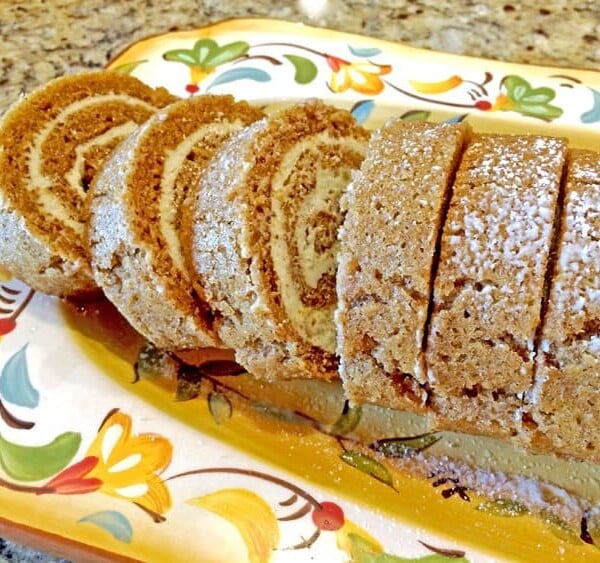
(362, 76)
(250, 514)
(122, 465)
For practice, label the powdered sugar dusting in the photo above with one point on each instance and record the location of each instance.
(500, 221)
(575, 293)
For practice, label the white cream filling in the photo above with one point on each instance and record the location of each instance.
(315, 325)
(168, 211)
(74, 175)
(50, 203)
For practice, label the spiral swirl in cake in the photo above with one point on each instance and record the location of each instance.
(136, 218)
(264, 238)
(52, 143)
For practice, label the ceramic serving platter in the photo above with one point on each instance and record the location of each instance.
(104, 455)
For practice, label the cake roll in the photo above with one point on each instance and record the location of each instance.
(490, 282)
(395, 207)
(52, 144)
(564, 405)
(264, 238)
(136, 215)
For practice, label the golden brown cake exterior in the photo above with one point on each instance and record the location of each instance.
(136, 207)
(264, 238)
(490, 283)
(52, 143)
(395, 207)
(565, 401)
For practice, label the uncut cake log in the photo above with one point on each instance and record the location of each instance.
(489, 286)
(265, 238)
(395, 207)
(52, 143)
(565, 402)
(136, 208)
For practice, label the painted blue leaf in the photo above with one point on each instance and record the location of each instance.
(15, 385)
(593, 114)
(457, 118)
(242, 73)
(364, 51)
(113, 522)
(362, 110)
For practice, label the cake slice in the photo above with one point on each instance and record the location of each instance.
(565, 402)
(490, 282)
(264, 238)
(136, 209)
(395, 208)
(52, 143)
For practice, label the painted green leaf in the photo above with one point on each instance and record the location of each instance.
(306, 70)
(204, 48)
(220, 55)
(415, 115)
(219, 407)
(128, 68)
(559, 527)
(362, 110)
(368, 465)
(364, 51)
(405, 446)
(207, 54)
(516, 87)
(32, 463)
(15, 385)
(240, 73)
(152, 363)
(539, 96)
(593, 114)
(115, 523)
(530, 101)
(185, 56)
(363, 551)
(503, 507)
(347, 421)
(544, 111)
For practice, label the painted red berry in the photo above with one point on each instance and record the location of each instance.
(7, 325)
(483, 105)
(330, 517)
(192, 88)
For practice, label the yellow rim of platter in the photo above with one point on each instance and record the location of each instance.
(359, 74)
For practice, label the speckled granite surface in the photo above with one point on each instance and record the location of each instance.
(44, 39)
(40, 40)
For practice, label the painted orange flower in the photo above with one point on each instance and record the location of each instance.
(121, 465)
(362, 76)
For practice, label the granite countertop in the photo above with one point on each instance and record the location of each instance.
(43, 39)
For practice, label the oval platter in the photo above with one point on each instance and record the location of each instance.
(105, 456)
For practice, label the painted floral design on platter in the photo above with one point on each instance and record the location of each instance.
(211, 64)
(130, 468)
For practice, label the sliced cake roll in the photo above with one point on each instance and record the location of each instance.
(52, 143)
(265, 238)
(490, 282)
(565, 403)
(395, 207)
(136, 206)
